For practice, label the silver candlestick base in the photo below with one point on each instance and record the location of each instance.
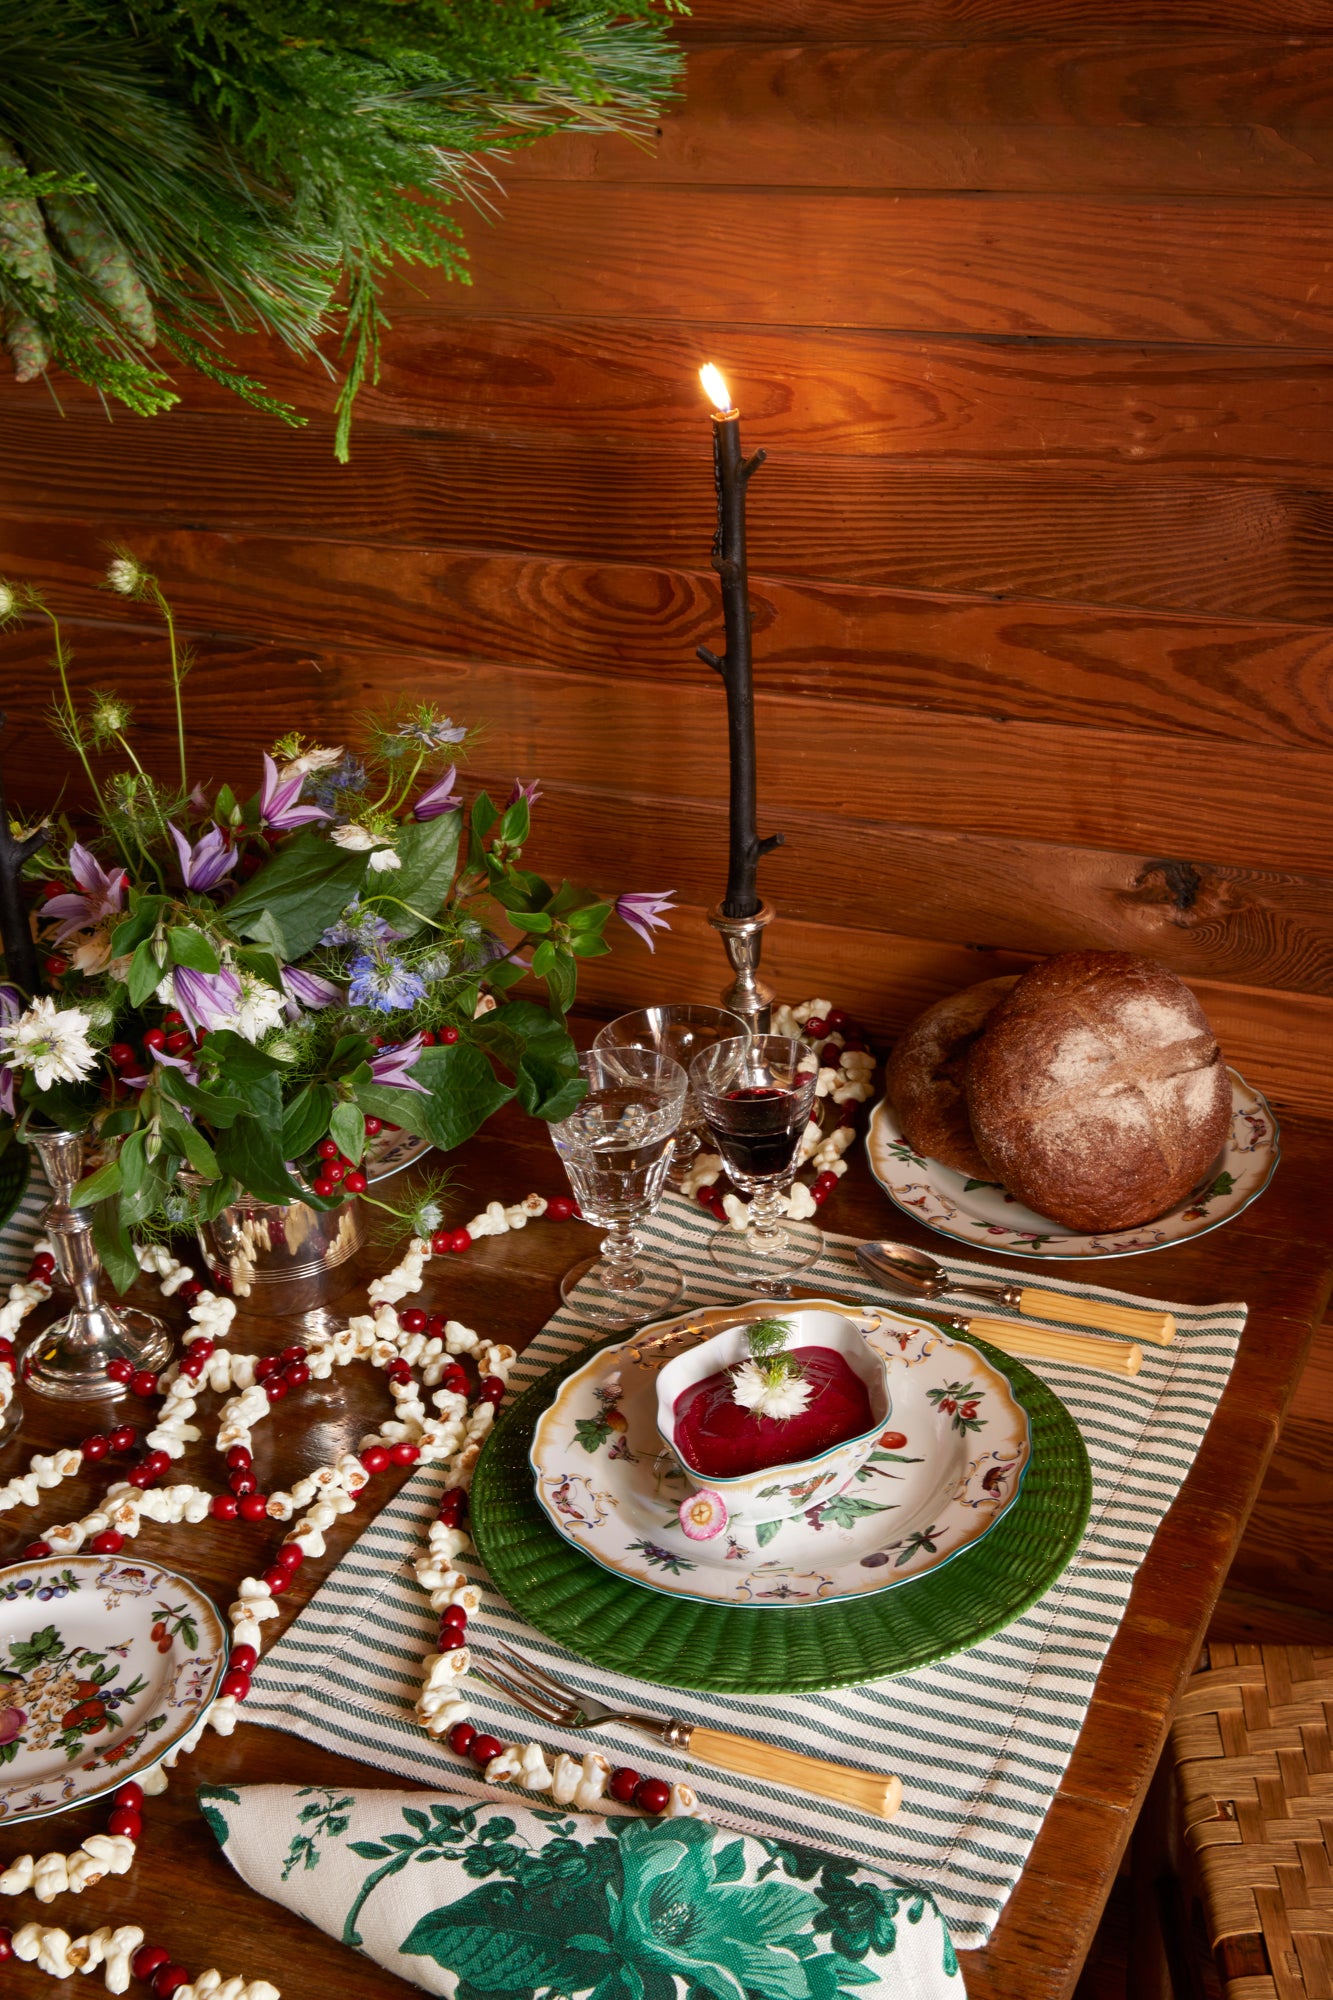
(743, 939)
(68, 1358)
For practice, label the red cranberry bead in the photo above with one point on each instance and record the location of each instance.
(242, 1481)
(6, 1349)
(375, 1458)
(122, 1055)
(168, 1979)
(155, 1038)
(224, 1507)
(6, 1942)
(296, 1375)
(435, 1325)
(173, 1018)
(244, 1658)
(119, 1369)
(108, 1543)
(404, 1453)
(199, 1350)
(455, 1621)
(323, 1187)
(703, 1195)
(492, 1391)
(398, 1371)
(157, 1462)
(837, 1019)
(652, 1795)
(355, 1182)
(193, 1366)
(448, 1036)
(130, 1797)
(95, 1446)
(126, 1822)
(253, 1506)
(36, 1550)
(143, 1382)
(147, 1959)
(815, 1028)
(297, 1353)
(559, 1208)
(461, 1738)
(278, 1579)
(454, 1379)
(334, 1171)
(482, 1748)
(830, 1055)
(239, 1459)
(374, 1126)
(290, 1556)
(179, 1042)
(56, 968)
(413, 1320)
(460, 1241)
(819, 1195)
(439, 1244)
(140, 1476)
(44, 1264)
(275, 1388)
(456, 1497)
(267, 1364)
(327, 1149)
(624, 1783)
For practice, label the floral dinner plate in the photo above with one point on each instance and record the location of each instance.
(981, 1215)
(104, 1664)
(947, 1466)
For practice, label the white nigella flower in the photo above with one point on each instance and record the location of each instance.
(317, 758)
(259, 1008)
(363, 840)
(124, 575)
(384, 859)
(7, 600)
(52, 1042)
(758, 1386)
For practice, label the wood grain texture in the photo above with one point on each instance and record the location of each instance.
(999, 20)
(1069, 266)
(1201, 546)
(1253, 117)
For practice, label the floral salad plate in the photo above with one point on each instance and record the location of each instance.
(982, 1215)
(948, 1464)
(104, 1664)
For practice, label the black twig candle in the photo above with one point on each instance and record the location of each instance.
(21, 961)
(732, 473)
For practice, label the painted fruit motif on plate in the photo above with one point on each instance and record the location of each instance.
(104, 1664)
(948, 1464)
(981, 1214)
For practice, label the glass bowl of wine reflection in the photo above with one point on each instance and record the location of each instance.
(757, 1095)
(617, 1146)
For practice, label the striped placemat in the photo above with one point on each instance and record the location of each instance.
(980, 1740)
(23, 1226)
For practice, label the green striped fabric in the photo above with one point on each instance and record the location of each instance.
(23, 1226)
(980, 1739)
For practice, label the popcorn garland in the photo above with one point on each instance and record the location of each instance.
(398, 1342)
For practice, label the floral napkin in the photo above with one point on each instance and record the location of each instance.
(475, 1899)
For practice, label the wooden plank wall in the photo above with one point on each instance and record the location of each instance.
(1031, 302)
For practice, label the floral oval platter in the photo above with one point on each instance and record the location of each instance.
(104, 1664)
(948, 1465)
(981, 1214)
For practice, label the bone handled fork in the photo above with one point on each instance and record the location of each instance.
(550, 1701)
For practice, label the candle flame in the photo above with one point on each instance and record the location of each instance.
(715, 387)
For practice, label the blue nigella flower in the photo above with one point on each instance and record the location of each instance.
(325, 787)
(358, 926)
(384, 983)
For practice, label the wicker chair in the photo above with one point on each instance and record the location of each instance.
(1253, 1760)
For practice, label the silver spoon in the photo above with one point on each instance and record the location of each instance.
(906, 1270)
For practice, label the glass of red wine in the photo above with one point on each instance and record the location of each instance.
(757, 1095)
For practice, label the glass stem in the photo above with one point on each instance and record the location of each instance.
(620, 1246)
(765, 1233)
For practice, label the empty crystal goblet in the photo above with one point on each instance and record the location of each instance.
(681, 1030)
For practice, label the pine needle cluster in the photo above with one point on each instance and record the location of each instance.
(183, 172)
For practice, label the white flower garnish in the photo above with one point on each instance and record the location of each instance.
(757, 1387)
(52, 1042)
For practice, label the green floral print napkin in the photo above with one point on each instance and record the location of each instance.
(519, 1901)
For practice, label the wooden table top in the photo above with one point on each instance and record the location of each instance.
(184, 1893)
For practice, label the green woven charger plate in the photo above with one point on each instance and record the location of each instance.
(14, 1164)
(743, 1649)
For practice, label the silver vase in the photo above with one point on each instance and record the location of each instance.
(68, 1358)
(271, 1243)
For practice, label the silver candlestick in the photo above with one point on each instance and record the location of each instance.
(743, 939)
(68, 1358)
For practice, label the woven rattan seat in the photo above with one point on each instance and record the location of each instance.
(1254, 1772)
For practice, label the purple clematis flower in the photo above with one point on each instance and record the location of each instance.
(206, 999)
(441, 798)
(391, 1066)
(642, 910)
(102, 895)
(307, 989)
(189, 1070)
(204, 865)
(531, 792)
(277, 800)
(11, 1006)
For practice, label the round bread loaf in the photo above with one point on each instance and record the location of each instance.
(926, 1076)
(1097, 1093)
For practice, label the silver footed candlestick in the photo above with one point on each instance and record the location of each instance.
(68, 1358)
(749, 996)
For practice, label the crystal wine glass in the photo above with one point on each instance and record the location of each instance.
(681, 1031)
(616, 1146)
(757, 1095)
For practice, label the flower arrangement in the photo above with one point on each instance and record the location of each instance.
(240, 992)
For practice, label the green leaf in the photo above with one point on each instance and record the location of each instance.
(190, 1141)
(191, 948)
(305, 1121)
(262, 964)
(137, 1205)
(133, 1163)
(251, 1151)
(462, 1090)
(516, 889)
(530, 920)
(304, 888)
(96, 1187)
(589, 944)
(428, 851)
(844, 1509)
(485, 812)
(138, 925)
(145, 972)
(265, 930)
(224, 805)
(538, 1050)
(113, 1245)
(517, 823)
(590, 919)
(347, 1128)
(562, 982)
(544, 959)
(212, 1103)
(368, 1850)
